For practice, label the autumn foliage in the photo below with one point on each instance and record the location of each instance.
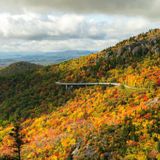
(88, 123)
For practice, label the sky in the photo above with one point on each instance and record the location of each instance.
(51, 25)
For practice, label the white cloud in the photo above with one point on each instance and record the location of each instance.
(35, 26)
(46, 32)
(146, 8)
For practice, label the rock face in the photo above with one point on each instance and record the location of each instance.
(121, 51)
(137, 49)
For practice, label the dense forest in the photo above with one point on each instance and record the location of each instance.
(41, 120)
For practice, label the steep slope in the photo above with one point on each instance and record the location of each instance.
(33, 89)
(89, 122)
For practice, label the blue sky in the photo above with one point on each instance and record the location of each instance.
(44, 26)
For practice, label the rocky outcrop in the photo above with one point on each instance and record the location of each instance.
(137, 49)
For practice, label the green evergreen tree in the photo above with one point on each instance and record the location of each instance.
(17, 136)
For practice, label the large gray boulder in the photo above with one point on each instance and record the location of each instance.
(137, 51)
(121, 51)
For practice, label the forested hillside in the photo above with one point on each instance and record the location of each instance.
(87, 123)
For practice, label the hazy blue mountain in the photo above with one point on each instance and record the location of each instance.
(41, 58)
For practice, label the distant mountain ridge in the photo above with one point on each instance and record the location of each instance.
(41, 58)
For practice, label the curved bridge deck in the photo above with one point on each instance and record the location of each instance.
(91, 84)
(70, 85)
(87, 84)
